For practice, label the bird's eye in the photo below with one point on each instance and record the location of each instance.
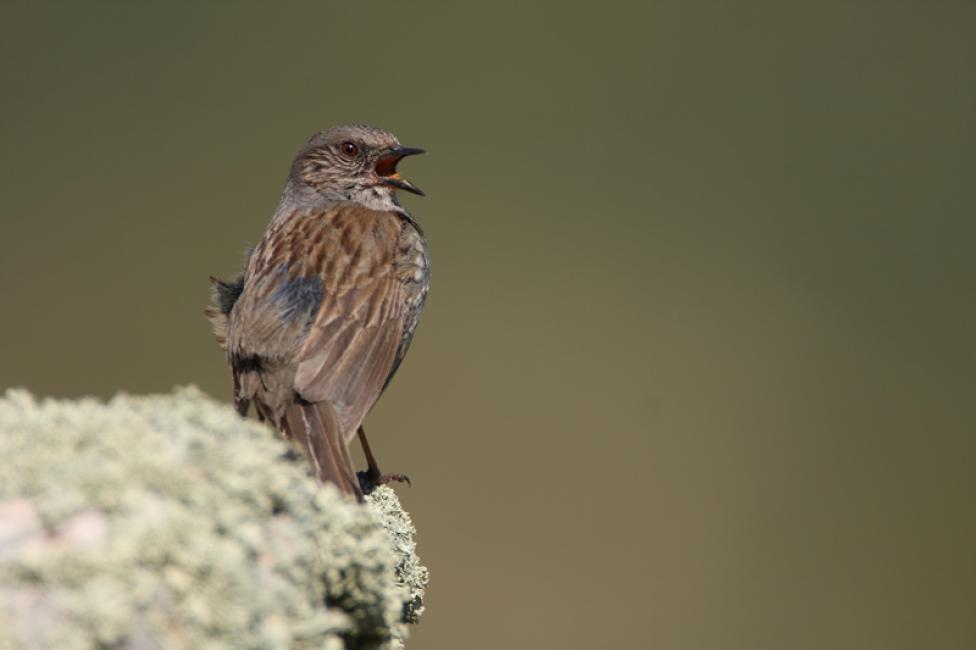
(349, 149)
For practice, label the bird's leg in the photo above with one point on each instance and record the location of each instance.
(373, 472)
(373, 476)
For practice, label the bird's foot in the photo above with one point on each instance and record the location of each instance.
(370, 480)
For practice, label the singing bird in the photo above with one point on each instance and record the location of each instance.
(321, 317)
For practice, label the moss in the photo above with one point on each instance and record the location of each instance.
(167, 521)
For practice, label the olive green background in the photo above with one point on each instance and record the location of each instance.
(697, 369)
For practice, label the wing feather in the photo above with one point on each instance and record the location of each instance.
(352, 344)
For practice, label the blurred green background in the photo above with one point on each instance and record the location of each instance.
(697, 369)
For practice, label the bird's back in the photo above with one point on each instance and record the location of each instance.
(329, 303)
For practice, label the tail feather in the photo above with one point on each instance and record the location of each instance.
(315, 429)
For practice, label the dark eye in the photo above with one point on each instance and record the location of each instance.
(349, 149)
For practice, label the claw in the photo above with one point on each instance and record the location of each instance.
(399, 478)
(368, 482)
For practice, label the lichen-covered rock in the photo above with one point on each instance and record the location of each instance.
(169, 522)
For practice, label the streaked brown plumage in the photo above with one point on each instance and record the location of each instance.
(329, 299)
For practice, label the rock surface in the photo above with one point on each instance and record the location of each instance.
(167, 521)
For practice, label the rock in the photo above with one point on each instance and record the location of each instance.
(167, 521)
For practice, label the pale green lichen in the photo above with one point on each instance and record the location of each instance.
(169, 522)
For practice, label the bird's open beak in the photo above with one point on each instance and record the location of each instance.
(386, 168)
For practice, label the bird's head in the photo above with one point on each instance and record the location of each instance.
(354, 163)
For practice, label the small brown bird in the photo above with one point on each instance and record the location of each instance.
(328, 302)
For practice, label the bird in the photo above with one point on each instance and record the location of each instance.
(321, 316)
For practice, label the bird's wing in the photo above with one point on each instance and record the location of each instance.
(352, 343)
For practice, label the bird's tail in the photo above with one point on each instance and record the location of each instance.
(316, 430)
